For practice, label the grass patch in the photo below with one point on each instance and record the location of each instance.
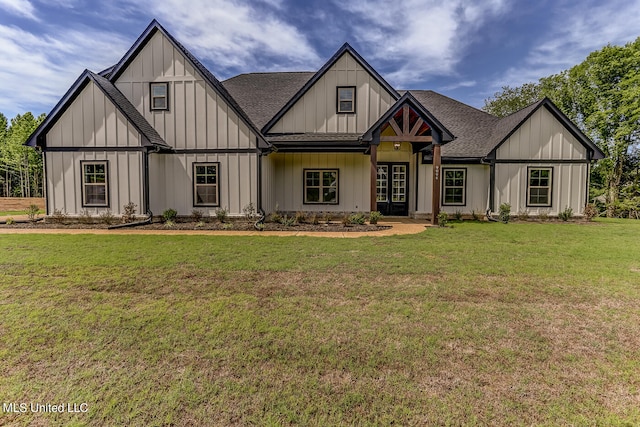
(21, 212)
(494, 324)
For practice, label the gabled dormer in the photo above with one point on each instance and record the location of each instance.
(345, 96)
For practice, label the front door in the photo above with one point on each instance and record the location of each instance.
(391, 189)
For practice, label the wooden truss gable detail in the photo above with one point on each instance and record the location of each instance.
(412, 128)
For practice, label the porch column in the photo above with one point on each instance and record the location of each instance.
(374, 177)
(437, 172)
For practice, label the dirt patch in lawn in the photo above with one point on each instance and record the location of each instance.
(20, 203)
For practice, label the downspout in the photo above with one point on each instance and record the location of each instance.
(259, 223)
(490, 193)
(588, 180)
(145, 194)
(44, 182)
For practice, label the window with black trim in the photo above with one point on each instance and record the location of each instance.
(539, 186)
(321, 186)
(95, 184)
(454, 185)
(206, 191)
(159, 96)
(346, 99)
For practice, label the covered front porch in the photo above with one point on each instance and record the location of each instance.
(397, 142)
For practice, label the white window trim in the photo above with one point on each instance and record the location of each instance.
(196, 185)
(104, 184)
(320, 187)
(549, 187)
(445, 186)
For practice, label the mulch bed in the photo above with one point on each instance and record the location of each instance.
(237, 225)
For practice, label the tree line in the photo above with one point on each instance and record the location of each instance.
(21, 171)
(602, 96)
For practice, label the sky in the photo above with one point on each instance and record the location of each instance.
(465, 49)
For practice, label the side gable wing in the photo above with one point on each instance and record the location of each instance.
(93, 113)
(313, 108)
(542, 131)
(158, 56)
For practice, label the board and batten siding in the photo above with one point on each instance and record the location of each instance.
(64, 183)
(315, 111)
(476, 191)
(547, 141)
(92, 120)
(171, 182)
(198, 117)
(568, 187)
(542, 136)
(268, 184)
(353, 180)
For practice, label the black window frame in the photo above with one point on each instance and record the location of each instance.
(195, 184)
(550, 186)
(353, 100)
(320, 187)
(152, 97)
(444, 186)
(83, 184)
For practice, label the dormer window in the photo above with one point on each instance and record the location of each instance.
(347, 99)
(159, 96)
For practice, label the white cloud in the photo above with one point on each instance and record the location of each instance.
(42, 67)
(22, 8)
(575, 31)
(458, 85)
(428, 37)
(231, 35)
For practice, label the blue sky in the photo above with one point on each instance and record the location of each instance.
(464, 49)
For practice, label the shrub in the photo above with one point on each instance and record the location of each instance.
(505, 212)
(275, 217)
(107, 217)
(566, 214)
(170, 215)
(590, 211)
(249, 211)
(200, 224)
(327, 217)
(301, 217)
(85, 217)
(544, 215)
(287, 222)
(196, 215)
(346, 219)
(443, 219)
(523, 215)
(10, 221)
(32, 212)
(374, 217)
(221, 214)
(227, 226)
(474, 215)
(457, 215)
(357, 218)
(169, 223)
(58, 217)
(129, 212)
(314, 219)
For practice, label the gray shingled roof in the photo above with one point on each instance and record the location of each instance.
(471, 127)
(262, 95)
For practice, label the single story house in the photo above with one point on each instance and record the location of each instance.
(159, 130)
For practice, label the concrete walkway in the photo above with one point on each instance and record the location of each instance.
(398, 226)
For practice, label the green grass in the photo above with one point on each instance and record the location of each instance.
(480, 324)
(22, 212)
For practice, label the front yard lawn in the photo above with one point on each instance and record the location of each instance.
(479, 324)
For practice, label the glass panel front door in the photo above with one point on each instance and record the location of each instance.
(391, 188)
